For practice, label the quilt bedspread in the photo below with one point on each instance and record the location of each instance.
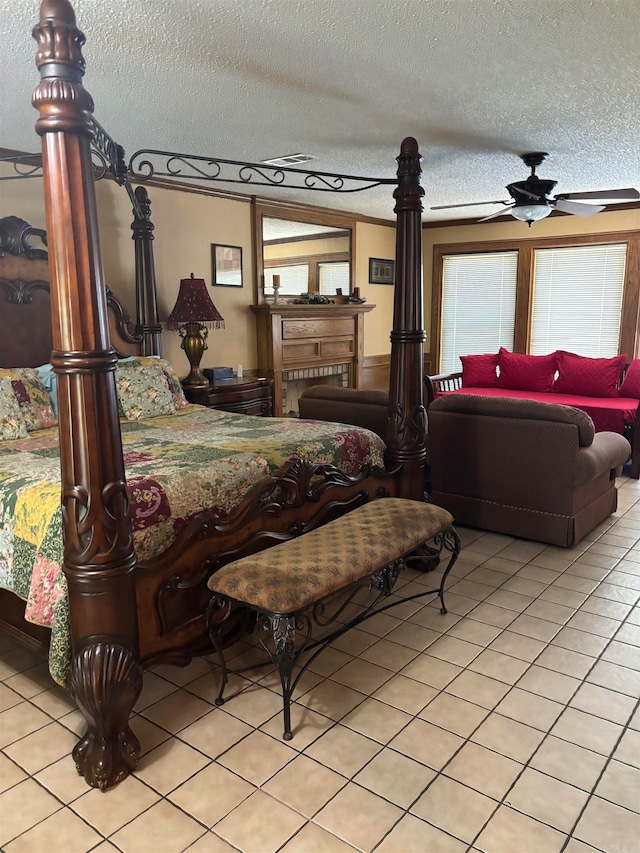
(176, 466)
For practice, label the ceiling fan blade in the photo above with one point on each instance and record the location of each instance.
(627, 194)
(468, 204)
(497, 213)
(577, 208)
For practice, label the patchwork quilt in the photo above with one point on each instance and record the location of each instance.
(176, 466)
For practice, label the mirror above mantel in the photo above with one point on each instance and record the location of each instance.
(309, 250)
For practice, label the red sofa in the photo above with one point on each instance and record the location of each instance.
(607, 389)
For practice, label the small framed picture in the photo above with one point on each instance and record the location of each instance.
(227, 265)
(381, 271)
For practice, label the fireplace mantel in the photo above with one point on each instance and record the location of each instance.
(304, 337)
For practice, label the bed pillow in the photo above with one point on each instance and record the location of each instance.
(173, 383)
(32, 396)
(520, 372)
(12, 422)
(143, 391)
(479, 371)
(631, 383)
(588, 377)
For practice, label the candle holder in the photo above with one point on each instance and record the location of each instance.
(276, 288)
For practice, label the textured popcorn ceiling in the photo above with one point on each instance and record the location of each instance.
(477, 82)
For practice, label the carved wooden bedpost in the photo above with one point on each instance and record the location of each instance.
(105, 678)
(407, 417)
(147, 323)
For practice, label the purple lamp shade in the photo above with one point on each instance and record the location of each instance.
(194, 305)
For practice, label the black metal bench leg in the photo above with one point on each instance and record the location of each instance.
(217, 602)
(451, 542)
(283, 629)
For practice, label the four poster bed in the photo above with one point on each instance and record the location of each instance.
(130, 606)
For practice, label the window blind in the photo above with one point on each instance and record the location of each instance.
(577, 299)
(333, 275)
(294, 279)
(478, 305)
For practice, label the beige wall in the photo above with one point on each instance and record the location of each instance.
(375, 241)
(300, 248)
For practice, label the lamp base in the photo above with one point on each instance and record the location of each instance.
(194, 336)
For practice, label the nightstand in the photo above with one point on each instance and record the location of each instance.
(247, 396)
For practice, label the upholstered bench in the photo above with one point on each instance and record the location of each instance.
(291, 585)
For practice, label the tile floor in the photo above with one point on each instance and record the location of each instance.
(509, 725)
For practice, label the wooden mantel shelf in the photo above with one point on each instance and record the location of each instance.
(302, 337)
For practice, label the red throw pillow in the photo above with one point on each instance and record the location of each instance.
(479, 371)
(521, 372)
(631, 384)
(588, 377)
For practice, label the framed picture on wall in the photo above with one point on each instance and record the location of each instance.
(227, 265)
(381, 271)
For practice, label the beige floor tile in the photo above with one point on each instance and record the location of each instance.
(314, 839)
(154, 688)
(508, 737)
(610, 675)
(380, 625)
(510, 600)
(332, 699)
(456, 604)
(594, 624)
(305, 785)
(23, 806)
(624, 579)
(412, 835)
(17, 660)
(108, 847)
(343, 750)
(42, 747)
(607, 826)
(499, 564)
(487, 576)
(260, 824)
(483, 770)
(576, 583)
(622, 654)
(395, 777)
(509, 831)
(10, 773)
(545, 682)
(522, 550)
(376, 720)
(63, 780)
(479, 689)
(163, 829)
(629, 633)
(207, 686)
(109, 810)
(254, 705)
(568, 762)
(563, 596)
(257, 757)
(617, 593)
(62, 831)
(580, 641)
(169, 765)
(575, 846)
(628, 749)
(472, 589)
(524, 586)
(546, 799)
(358, 816)
(429, 670)
(211, 794)
(454, 808)
(32, 681)
(604, 607)
(362, 676)
(214, 733)
(532, 626)
(535, 711)
(517, 645)
(56, 702)
(492, 615)
(604, 703)
(9, 698)
(544, 568)
(620, 784)
(329, 661)
(182, 675)
(389, 655)
(565, 661)
(427, 743)
(558, 613)
(19, 721)
(177, 711)
(586, 730)
(499, 666)
(454, 650)
(405, 693)
(306, 726)
(473, 631)
(412, 636)
(454, 714)
(207, 843)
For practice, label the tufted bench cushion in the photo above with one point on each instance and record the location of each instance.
(295, 574)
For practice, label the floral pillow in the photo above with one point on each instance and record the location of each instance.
(32, 396)
(11, 419)
(173, 383)
(143, 391)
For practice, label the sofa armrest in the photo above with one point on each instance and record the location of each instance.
(608, 452)
(359, 407)
(441, 382)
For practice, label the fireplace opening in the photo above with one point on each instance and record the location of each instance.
(294, 383)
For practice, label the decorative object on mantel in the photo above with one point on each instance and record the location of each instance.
(193, 315)
(276, 288)
(381, 271)
(313, 299)
(356, 300)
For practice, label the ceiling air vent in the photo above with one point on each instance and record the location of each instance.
(289, 160)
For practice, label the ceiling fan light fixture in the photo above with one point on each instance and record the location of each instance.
(530, 212)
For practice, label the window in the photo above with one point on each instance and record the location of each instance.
(333, 275)
(294, 279)
(478, 305)
(577, 299)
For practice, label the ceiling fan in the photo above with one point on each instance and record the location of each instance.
(530, 198)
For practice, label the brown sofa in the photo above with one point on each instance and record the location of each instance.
(524, 468)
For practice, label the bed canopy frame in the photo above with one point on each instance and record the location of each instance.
(127, 614)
